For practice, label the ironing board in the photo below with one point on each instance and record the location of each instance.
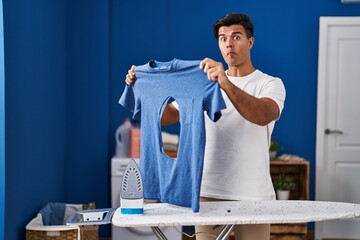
(230, 213)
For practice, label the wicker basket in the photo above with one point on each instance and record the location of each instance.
(34, 231)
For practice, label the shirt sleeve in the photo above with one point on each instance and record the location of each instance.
(275, 90)
(131, 101)
(213, 100)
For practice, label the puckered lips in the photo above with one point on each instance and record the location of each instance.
(230, 53)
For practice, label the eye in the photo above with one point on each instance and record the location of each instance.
(236, 37)
(222, 39)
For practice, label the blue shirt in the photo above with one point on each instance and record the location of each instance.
(175, 181)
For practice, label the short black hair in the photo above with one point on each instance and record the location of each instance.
(232, 19)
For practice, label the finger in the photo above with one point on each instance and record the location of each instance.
(130, 74)
(204, 62)
(213, 74)
(208, 75)
(206, 67)
(128, 80)
(132, 69)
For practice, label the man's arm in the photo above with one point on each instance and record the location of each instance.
(260, 111)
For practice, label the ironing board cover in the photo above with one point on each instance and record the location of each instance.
(238, 212)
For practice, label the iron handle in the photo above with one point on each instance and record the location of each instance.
(328, 131)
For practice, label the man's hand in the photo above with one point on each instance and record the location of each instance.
(130, 77)
(214, 71)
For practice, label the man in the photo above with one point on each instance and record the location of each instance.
(236, 161)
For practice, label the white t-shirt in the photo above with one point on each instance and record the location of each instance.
(236, 162)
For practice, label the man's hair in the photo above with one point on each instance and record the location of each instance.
(234, 19)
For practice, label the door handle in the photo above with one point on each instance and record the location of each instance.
(328, 131)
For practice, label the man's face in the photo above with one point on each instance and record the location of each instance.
(234, 45)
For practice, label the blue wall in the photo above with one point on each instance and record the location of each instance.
(65, 63)
(2, 127)
(87, 174)
(35, 109)
(57, 106)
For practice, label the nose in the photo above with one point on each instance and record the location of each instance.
(229, 43)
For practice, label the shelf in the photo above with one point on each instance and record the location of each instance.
(299, 170)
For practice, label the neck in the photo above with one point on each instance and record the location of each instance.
(240, 71)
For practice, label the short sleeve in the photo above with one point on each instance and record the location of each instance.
(275, 90)
(129, 99)
(213, 100)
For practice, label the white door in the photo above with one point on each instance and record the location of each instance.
(338, 121)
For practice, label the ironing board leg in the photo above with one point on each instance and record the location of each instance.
(225, 231)
(158, 233)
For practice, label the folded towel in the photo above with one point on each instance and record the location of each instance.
(170, 138)
(53, 214)
(70, 210)
(170, 147)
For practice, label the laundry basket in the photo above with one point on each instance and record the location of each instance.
(35, 229)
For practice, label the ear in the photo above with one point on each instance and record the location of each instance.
(251, 42)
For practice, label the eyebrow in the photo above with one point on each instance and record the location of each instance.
(233, 33)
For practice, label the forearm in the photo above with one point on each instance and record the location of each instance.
(258, 111)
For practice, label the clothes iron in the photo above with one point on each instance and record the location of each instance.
(132, 196)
